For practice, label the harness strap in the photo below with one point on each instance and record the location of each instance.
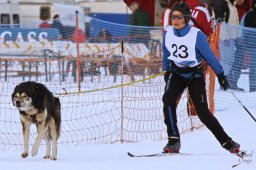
(184, 70)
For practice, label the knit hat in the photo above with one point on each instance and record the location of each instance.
(182, 8)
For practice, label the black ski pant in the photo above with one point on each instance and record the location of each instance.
(196, 87)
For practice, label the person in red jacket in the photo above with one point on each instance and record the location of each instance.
(199, 15)
(79, 36)
(165, 18)
(242, 7)
(45, 23)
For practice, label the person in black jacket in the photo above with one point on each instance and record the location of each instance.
(58, 25)
(221, 10)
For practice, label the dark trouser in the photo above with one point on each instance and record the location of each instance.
(237, 65)
(252, 73)
(243, 46)
(196, 87)
(252, 65)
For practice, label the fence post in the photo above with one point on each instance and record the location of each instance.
(78, 56)
(122, 95)
(5, 70)
(215, 47)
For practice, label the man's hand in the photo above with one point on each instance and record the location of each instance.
(223, 81)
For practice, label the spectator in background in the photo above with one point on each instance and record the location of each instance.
(79, 36)
(250, 21)
(221, 10)
(233, 14)
(165, 18)
(139, 18)
(45, 23)
(58, 25)
(209, 5)
(246, 45)
(200, 16)
(231, 38)
(104, 36)
(242, 7)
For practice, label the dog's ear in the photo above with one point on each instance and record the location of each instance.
(31, 86)
(37, 95)
(35, 87)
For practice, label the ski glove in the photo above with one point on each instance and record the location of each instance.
(223, 81)
(166, 76)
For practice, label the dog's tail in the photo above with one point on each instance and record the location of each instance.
(57, 115)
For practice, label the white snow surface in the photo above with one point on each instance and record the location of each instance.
(205, 149)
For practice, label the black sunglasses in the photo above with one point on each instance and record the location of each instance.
(173, 17)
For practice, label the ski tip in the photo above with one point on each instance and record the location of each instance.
(131, 155)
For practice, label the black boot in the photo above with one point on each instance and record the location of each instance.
(173, 145)
(231, 146)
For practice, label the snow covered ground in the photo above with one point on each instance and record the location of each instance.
(207, 153)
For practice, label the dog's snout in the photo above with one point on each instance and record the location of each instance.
(18, 104)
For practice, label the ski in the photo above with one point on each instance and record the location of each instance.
(240, 154)
(157, 154)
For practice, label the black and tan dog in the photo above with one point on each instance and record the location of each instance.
(38, 105)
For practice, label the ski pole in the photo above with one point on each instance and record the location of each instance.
(242, 105)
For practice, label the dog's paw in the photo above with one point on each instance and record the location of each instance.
(24, 155)
(34, 151)
(47, 157)
(54, 158)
